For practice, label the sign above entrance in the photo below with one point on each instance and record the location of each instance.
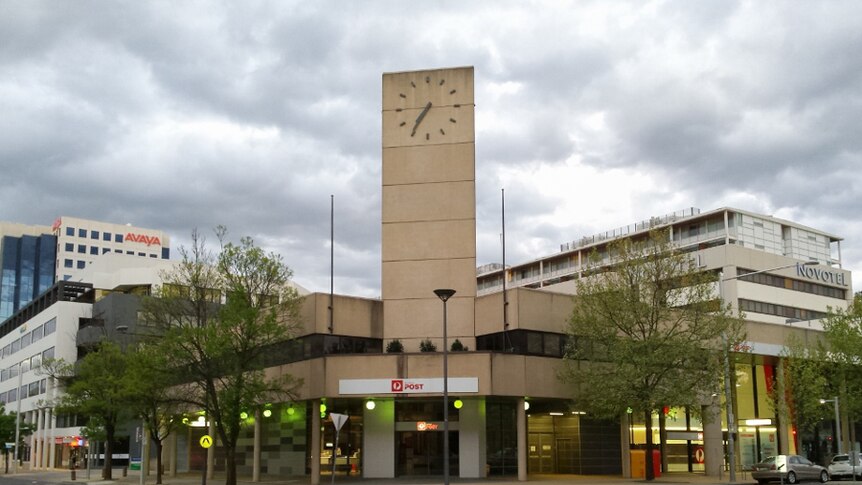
(406, 386)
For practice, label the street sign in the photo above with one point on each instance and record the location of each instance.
(338, 420)
(9, 446)
(206, 441)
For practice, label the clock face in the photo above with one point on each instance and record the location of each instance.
(433, 114)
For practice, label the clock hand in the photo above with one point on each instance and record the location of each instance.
(420, 118)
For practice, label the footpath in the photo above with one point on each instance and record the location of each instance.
(63, 477)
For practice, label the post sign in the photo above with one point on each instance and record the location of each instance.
(407, 386)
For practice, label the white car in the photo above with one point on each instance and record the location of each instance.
(845, 465)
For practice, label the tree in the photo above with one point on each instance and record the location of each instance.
(7, 431)
(151, 384)
(647, 332)
(807, 379)
(96, 387)
(221, 316)
(843, 337)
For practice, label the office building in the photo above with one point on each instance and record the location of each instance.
(81, 241)
(27, 258)
(508, 412)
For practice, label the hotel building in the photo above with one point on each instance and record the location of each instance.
(509, 413)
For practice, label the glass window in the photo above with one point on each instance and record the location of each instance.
(82, 249)
(43, 386)
(25, 365)
(12, 395)
(118, 238)
(33, 389)
(166, 253)
(94, 234)
(69, 247)
(106, 250)
(4, 374)
(48, 354)
(81, 264)
(94, 250)
(50, 326)
(130, 252)
(106, 236)
(67, 277)
(118, 251)
(37, 333)
(25, 340)
(142, 254)
(16, 345)
(82, 233)
(153, 256)
(36, 361)
(68, 263)
(70, 231)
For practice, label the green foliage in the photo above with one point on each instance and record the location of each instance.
(221, 346)
(457, 346)
(843, 337)
(647, 332)
(427, 346)
(7, 428)
(807, 372)
(96, 386)
(394, 345)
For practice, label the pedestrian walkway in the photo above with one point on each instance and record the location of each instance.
(133, 478)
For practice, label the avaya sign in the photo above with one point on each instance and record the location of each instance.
(406, 386)
(143, 238)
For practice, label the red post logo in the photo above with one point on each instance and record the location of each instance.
(397, 385)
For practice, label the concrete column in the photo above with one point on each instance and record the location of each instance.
(713, 443)
(625, 445)
(315, 442)
(211, 451)
(52, 435)
(38, 438)
(378, 440)
(522, 440)
(255, 468)
(172, 455)
(471, 439)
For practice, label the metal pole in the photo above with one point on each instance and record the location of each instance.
(728, 395)
(445, 294)
(18, 417)
(445, 402)
(837, 424)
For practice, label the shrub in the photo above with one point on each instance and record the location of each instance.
(427, 346)
(394, 346)
(457, 346)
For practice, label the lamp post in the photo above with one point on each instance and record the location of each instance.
(124, 329)
(18, 417)
(444, 294)
(834, 401)
(728, 395)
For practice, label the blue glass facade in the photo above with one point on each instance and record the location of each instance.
(26, 270)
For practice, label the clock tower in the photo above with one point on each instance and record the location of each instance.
(429, 205)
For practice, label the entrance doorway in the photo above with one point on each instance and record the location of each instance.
(420, 453)
(541, 453)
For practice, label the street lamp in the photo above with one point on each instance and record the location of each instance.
(124, 329)
(444, 294)
(837, 420)
(728, 395)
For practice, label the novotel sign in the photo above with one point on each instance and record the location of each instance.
(407, 386)
(818, 274)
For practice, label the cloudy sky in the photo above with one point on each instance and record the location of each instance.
(591, 115)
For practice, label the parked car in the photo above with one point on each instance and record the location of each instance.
(845, 465)
(789, 469)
